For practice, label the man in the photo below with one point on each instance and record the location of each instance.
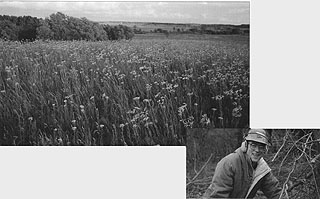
(242, 173)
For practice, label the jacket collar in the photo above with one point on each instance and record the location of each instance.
(258, 173)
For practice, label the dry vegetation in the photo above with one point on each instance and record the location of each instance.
(139, 92)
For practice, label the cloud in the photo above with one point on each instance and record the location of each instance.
(205, 16)
(186, 12)
(163, 3)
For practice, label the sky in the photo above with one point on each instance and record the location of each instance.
(203, 12)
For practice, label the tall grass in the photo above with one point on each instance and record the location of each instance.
(142, 92)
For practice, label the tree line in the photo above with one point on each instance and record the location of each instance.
(59, 26)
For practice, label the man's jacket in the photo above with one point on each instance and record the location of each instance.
(235, 177)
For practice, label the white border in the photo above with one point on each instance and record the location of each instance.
(155, 172)
(284, 67)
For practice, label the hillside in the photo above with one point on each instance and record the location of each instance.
(147, 27)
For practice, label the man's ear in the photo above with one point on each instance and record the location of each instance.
(267, 147)
(244, 146)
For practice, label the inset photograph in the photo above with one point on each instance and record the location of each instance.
(253, 163)
(121, 73)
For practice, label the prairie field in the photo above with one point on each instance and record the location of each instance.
(137, 92)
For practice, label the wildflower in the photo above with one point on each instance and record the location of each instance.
(148, 87)
(82, 108)
(121, 125)
(148, 124)
(219, 97)
(147, 100)
(236, 112)
(74, 128)
(205, 120)
(131, 111)
(146, 118)
(202, 77)
(7, 68)
(30, 118)
(67, 97)
(181, 109)
(157, 95)
(189, 94)
(101, 125)
(73, 121)
(136, 98)
(134, 72)
(59, 140)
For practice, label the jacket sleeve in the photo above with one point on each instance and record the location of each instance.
(222, 181)
(270, 186)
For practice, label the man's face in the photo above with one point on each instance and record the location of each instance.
(255, 150)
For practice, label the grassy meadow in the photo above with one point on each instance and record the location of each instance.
(145, 91)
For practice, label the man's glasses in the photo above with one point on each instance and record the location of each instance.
(256, 146)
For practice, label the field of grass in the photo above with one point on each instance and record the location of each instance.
(138, 92)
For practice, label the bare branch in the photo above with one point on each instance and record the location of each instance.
(284, 141)
(204, 166)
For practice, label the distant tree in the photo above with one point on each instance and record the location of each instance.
(235, 31)
(193, 30)
(28, 28)
(128, 32)
(166, 33)
(203, 28)
(107, 29)
(8, 30)
(58, 25)
(19, 28)
(118, 32)
(87, 32)
(75, 27)
(98, 32)
(44, 31)
(71, 28)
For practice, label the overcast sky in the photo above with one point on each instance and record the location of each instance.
(205, 12)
